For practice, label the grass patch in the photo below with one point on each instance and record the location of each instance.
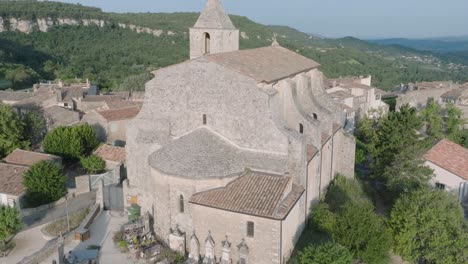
(60, 226)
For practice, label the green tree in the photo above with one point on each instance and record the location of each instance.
(11, 131)
(395, 132)
(71, 142)
(44, 183)
(326, 253)
(93, 164)
(10, 223)
(428, 225)
(406, 174)
(35, 126)
(432, 116)
(363, 232)
(322, 218)
(454, 124)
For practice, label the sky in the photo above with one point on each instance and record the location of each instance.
(329, 18)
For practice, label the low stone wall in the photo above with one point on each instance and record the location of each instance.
(82, 184)
(49, 249)
(29, 211)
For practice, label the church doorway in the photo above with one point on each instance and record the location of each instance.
(206, 43)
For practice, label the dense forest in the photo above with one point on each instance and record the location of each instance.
(115, 57)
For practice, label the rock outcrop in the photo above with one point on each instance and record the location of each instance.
(44, 24)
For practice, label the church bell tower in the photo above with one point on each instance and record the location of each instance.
(213, 33)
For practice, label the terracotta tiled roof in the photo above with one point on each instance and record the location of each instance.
(14, 96)
(268, 64)
(28, 158)
(325, 138)
(253, 193)
(72, 92)
(108, 152)
(311, 152)
(336, 127)
(449, 156)
(119, 104)
(120, 114)
(101, 98)
(340, 95)
(11, 179)
(452, 94)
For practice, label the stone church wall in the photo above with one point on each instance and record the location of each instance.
(264, 247)
(238, 109)
(292, 228)
(313, 182)
(220, 41)
(344, 154)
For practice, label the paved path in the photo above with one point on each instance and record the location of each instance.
(102, 231)
(76, 204)
(27, 242)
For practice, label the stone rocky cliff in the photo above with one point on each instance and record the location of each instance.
(44, 24)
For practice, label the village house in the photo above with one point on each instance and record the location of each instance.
(29, 158)
(450, 164)
(110, 125)
(115, 158)
(233, 147)
(11, 184)
(419, 94)
(357, 98)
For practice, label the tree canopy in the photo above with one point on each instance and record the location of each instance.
(11, 131)
(93, 164)
(429, 225)
(71, 143)
(44, 183)
(10, 222)
(326, 253)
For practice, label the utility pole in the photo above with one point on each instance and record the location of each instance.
(66, 208)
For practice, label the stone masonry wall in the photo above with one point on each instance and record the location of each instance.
(264, 247)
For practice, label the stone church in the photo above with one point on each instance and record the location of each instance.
(233, 147)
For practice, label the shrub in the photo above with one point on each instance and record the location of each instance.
(71, 143)
(363, 232)
(10, 223)
(322, 218)
(93, 164)
(326, 253)
(428, 225)
(44, 182)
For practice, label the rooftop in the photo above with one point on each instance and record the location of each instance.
(340, 95)
(214, 17)
(204, 154)
(120, 114)
(11, 179)
(112, 153)
(14, 96)
(267, 64)
(254, 193)
(28, 158)
(59, 116)
(449, 156)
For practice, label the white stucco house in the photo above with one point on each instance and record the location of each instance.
(450, 164)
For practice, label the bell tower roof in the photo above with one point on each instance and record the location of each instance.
(214, 17)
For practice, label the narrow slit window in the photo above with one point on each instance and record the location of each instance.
(207, 40)
(315, 116)
(301, 128)
(250, 229)
(181, 204)
(204, 119)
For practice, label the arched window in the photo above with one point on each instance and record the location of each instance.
(301, 128)
(315, 116)
(204, 119)
(181, 204)
(207, 43)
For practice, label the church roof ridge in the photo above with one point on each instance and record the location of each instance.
(214, 17)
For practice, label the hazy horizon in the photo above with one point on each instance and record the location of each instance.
(367, 19)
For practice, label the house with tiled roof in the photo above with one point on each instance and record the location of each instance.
(110, 125)
(450, 164)
(29, 158)
(357, 97)
(11, 184)
(232, 148)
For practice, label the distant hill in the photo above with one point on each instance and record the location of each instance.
(443, 45)
(67, 41)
